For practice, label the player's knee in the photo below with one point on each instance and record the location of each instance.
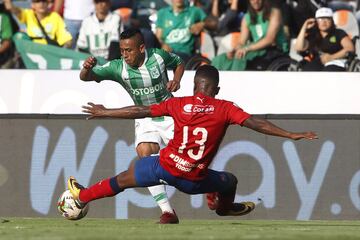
(146, 149)
(232, 179)
(231, 182)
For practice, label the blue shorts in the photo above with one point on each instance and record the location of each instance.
(149, 172)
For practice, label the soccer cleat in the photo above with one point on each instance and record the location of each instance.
(212, 200)
(75, 189)
(169, 218)
(238, 209)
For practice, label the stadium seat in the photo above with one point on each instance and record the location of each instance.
(346, 21)
(124, 14)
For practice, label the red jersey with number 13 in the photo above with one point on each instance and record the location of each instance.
(200, 125)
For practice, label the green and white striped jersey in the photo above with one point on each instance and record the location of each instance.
(147, 84)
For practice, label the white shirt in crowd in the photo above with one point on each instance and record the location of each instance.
(96, 36)
(78, 9)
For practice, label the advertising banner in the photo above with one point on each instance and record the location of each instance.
(62, 92)
(287, 179)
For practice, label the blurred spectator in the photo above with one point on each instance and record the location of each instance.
(51, 5)
(128, 11)
(262, 39)
(6, 33)
(8, 56)
(228, 14)
(205, 5)
(177, 26)
(100, 31)
(298, 12)
(74, 13)
(42, 26)
(328, 46)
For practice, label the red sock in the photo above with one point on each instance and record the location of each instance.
(102, 189)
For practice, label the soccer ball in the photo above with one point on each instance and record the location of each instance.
(70, 209)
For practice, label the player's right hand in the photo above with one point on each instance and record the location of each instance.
(95, 110)
(305, 135)
(90, 62)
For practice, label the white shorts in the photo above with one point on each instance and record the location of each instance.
(155, 130)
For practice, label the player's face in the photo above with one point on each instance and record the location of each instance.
(132, 51)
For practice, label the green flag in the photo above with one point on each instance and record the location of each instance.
(40, 56)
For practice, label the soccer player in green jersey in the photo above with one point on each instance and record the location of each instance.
(143, 73)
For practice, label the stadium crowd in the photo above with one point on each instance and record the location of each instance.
(230, 34)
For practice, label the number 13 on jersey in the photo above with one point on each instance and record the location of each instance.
(198, 132)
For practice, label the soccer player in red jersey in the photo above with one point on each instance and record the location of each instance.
(200, 125)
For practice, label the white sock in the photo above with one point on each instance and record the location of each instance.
(160, 196)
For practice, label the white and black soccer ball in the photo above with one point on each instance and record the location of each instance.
(69, 208)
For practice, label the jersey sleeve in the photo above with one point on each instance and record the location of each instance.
(171, 60)
(163, 109)
(23, 15)
(160, 18)
(200, 15)
(81, 41)
(108, 70)
(62, 35)
(341, 33)
(6, 30)
(235, 114)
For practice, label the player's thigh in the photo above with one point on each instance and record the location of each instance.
(145, 171)
(166, 129)
(215, 181)
(146, 132)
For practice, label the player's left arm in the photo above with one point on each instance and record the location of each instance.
(174, 62)
(263, 126)
(174, 85)
(130, 112)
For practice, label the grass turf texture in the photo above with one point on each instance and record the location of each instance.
(57, 228)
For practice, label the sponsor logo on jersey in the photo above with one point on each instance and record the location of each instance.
(183, 164)
(333, 39)
(190, 108)
(180, 35)
(147, 90)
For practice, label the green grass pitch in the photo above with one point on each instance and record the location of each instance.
(88, 228)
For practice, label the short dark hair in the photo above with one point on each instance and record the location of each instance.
(131, 32)
(209, 73)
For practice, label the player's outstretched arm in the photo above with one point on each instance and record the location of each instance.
(86, 73)
(263, 126)
(130, 112)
